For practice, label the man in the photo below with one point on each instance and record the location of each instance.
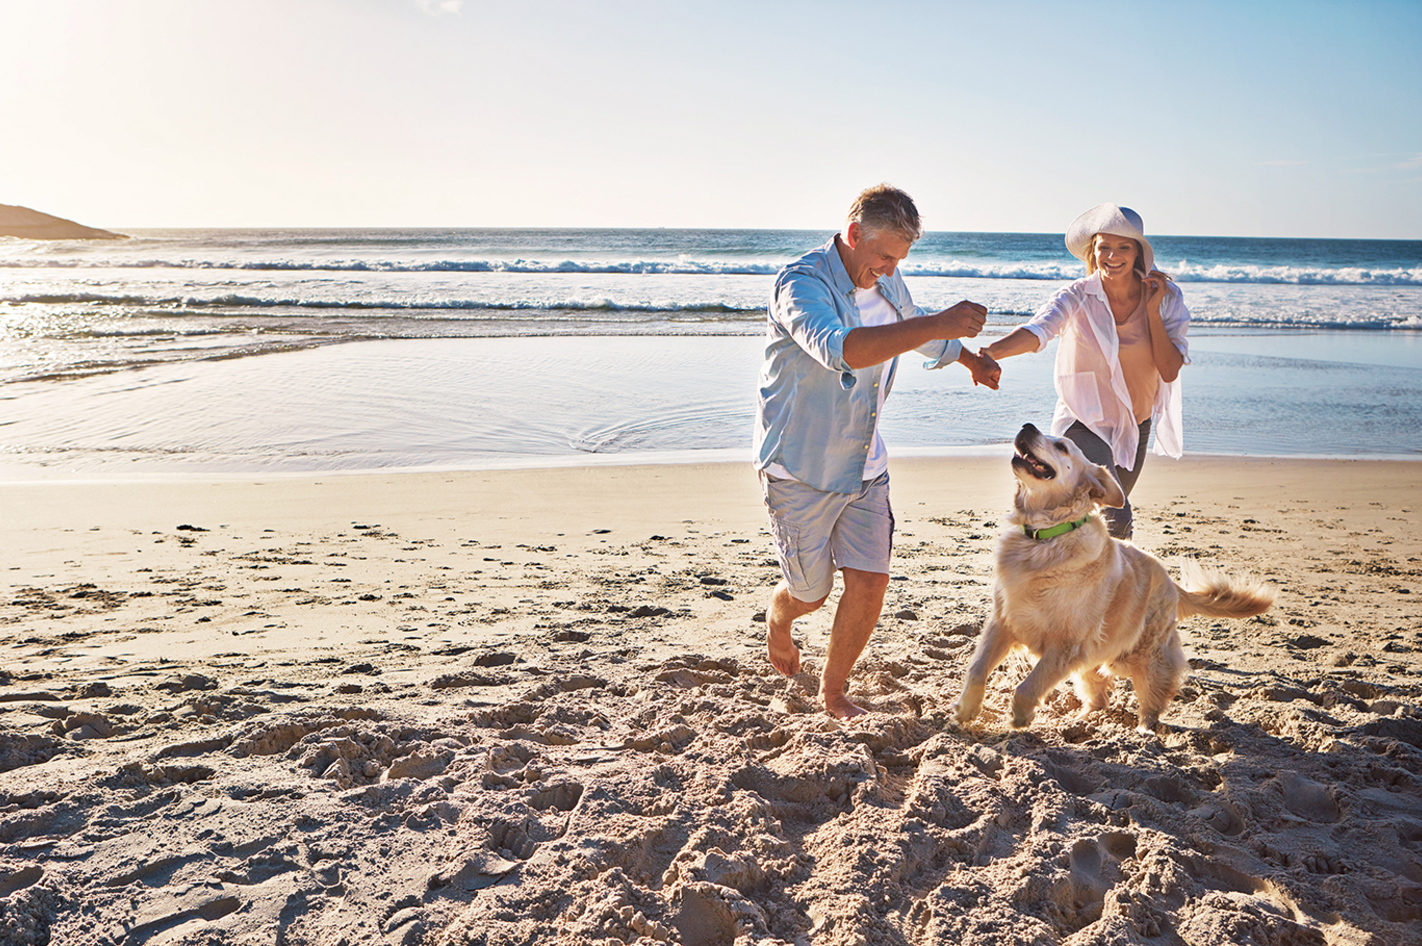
(839, 317)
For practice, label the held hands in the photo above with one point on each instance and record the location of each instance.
(984, 369)
(963, 320)
(966, 320)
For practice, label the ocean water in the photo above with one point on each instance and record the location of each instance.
(231, 350)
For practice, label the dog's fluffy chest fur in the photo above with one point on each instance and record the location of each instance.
(1062, 591)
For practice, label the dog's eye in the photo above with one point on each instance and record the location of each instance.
(1061, 447)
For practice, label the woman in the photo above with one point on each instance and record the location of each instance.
(1122, 332)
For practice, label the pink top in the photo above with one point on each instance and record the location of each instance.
(1137, 362)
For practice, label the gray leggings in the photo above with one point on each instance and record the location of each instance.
(1119, 521)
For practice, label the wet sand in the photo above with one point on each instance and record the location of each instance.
(533, 706)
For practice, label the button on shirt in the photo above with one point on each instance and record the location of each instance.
(1091, 384)
(874, 309)
(816, 417)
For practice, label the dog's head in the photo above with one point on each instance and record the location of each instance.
(1053, 474)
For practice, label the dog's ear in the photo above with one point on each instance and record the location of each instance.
(1104, 488)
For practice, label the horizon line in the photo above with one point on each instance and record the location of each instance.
(1057, 233)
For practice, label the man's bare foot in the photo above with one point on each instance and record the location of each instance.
(840, 707)
(780, 648)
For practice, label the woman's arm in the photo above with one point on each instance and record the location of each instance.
(1017, 342)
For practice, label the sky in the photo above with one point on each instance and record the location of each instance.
(1239, 118)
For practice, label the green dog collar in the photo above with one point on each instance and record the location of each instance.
(1051, 532)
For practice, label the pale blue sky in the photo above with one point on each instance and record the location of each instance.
(1237, 118)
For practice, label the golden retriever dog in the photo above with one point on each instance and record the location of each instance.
(1081, 602)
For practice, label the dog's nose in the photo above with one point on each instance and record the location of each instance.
(1030, 429)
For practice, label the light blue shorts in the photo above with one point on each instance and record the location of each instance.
(818, 532)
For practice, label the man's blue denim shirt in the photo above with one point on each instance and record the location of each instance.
(816, 415)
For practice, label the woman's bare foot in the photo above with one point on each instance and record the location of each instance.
(839, 706)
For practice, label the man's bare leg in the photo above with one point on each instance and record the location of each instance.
(854, 621)
(784, 609)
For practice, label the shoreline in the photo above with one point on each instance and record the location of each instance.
(504, 403)
(20, 476)
(508, 706)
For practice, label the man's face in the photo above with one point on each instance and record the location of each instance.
(866, 258)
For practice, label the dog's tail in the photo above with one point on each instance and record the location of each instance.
(1217, 595)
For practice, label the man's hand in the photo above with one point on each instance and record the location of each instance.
(964, 320)
(984, 370)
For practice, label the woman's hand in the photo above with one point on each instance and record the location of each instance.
(1157, 285)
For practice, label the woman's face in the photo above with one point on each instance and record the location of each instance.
(1115, 256)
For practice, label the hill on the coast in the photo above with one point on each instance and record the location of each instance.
(32, 225)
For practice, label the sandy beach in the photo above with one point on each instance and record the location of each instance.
(533, 707)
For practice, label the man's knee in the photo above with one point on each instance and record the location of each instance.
(806, 607)
(873, 582)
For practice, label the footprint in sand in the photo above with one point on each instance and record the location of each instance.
(562, 797)
(513, 841)
(1094, 865)
(15, 881)
(170, 912)
(1308, 799)
(1221, 816)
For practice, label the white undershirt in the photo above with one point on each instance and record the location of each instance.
(874, 309)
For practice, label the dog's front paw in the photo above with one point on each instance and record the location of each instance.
(1022, 716)
(1151, 726)
(969, 702)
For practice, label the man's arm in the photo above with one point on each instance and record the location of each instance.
(874, 344)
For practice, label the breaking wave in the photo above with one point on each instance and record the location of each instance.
(1182, 271)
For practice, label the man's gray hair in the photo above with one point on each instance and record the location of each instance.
(885, 209)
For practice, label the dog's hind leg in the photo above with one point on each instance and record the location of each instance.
(1051, 669)
(1156, 678)
(992, 647)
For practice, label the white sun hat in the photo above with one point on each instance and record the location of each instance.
(1108, 218)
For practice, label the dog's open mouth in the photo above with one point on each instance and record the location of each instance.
(1029, 464)
(1026, 461)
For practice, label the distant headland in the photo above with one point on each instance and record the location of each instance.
(30, 224)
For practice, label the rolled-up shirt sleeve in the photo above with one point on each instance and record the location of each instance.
(1176, 319)
(806, 310)
(1052, 317)
(940, 351)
